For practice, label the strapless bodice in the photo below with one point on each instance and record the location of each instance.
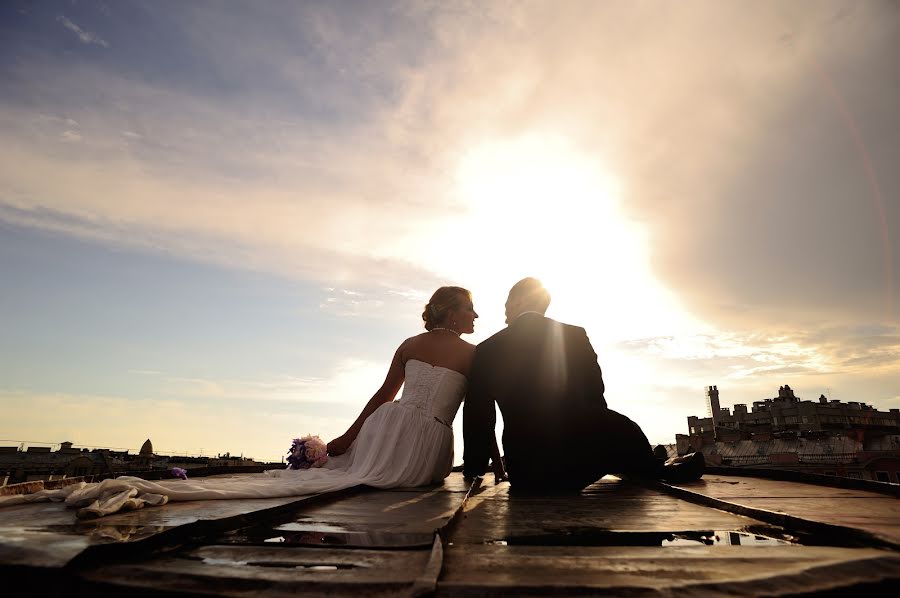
(435, 391)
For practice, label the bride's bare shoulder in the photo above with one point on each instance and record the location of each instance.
(412, 343)
(416, 340)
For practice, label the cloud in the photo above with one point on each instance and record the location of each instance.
(728, 136)
(825, 351)
(307, 207)
(71, 136)
(747, 141)
(85, 36)
(344, 302)
(336, 389)
(732, 151)
(730, 147)
(857, 349)
(857, 363)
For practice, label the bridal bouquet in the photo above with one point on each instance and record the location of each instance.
(306, 452)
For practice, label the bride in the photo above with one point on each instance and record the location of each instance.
(392, 444)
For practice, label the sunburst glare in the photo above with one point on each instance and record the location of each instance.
(535, 206)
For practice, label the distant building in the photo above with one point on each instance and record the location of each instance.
(147, 448)
(144, 458)
(712, 404)
(787, 413)
(822, 436)
(21, 464)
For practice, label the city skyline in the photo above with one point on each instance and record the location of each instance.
(55, 445)
(218, 222)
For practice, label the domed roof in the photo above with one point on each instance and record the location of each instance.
(147, 448)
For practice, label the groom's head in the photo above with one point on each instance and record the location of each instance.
(526, 295)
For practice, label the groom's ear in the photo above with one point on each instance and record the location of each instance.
(513, 305)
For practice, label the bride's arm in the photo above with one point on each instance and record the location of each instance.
(386, 393)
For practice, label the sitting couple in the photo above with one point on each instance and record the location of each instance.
(559, 436)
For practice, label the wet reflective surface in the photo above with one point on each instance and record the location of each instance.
(594, 537)
(615, 538)
(325, 534)
(101, 532)
(723, 538)
(399, 519)
(276, 564)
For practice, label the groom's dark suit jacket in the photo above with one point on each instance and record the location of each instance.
(545, 378)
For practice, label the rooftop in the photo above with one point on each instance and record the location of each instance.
(617, 537)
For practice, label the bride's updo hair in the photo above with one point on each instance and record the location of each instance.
(440, 304)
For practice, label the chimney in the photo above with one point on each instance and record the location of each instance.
(712, 405)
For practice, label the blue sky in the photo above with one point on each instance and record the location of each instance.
(218, 220)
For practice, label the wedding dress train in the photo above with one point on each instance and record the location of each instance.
(404, 443)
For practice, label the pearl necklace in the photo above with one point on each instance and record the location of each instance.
(447, 329)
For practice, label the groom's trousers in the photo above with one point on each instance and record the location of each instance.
(593, 445)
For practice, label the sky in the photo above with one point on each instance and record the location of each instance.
(218, 220)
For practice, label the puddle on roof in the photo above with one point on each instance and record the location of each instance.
(724, 538)
(325, 534)
(103, 532)
(278, 565)
(594, 537)
(296, 526)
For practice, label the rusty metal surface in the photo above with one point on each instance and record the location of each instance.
(869, 511)
(270, 571)
(617, 537)
(791, 476)
(385, 519)
(611, 504)
(50, 535)
(690, 571)
(323, 548)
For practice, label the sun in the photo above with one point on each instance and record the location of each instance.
(535, 206)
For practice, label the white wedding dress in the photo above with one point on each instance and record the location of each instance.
(405, 443)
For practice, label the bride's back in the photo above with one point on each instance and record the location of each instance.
(439, 348)
(435, 391)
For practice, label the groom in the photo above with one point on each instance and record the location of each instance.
(559, 435)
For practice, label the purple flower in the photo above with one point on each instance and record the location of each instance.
(179, 473)
(306, 452)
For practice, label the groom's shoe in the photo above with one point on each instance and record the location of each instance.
(684, 469)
